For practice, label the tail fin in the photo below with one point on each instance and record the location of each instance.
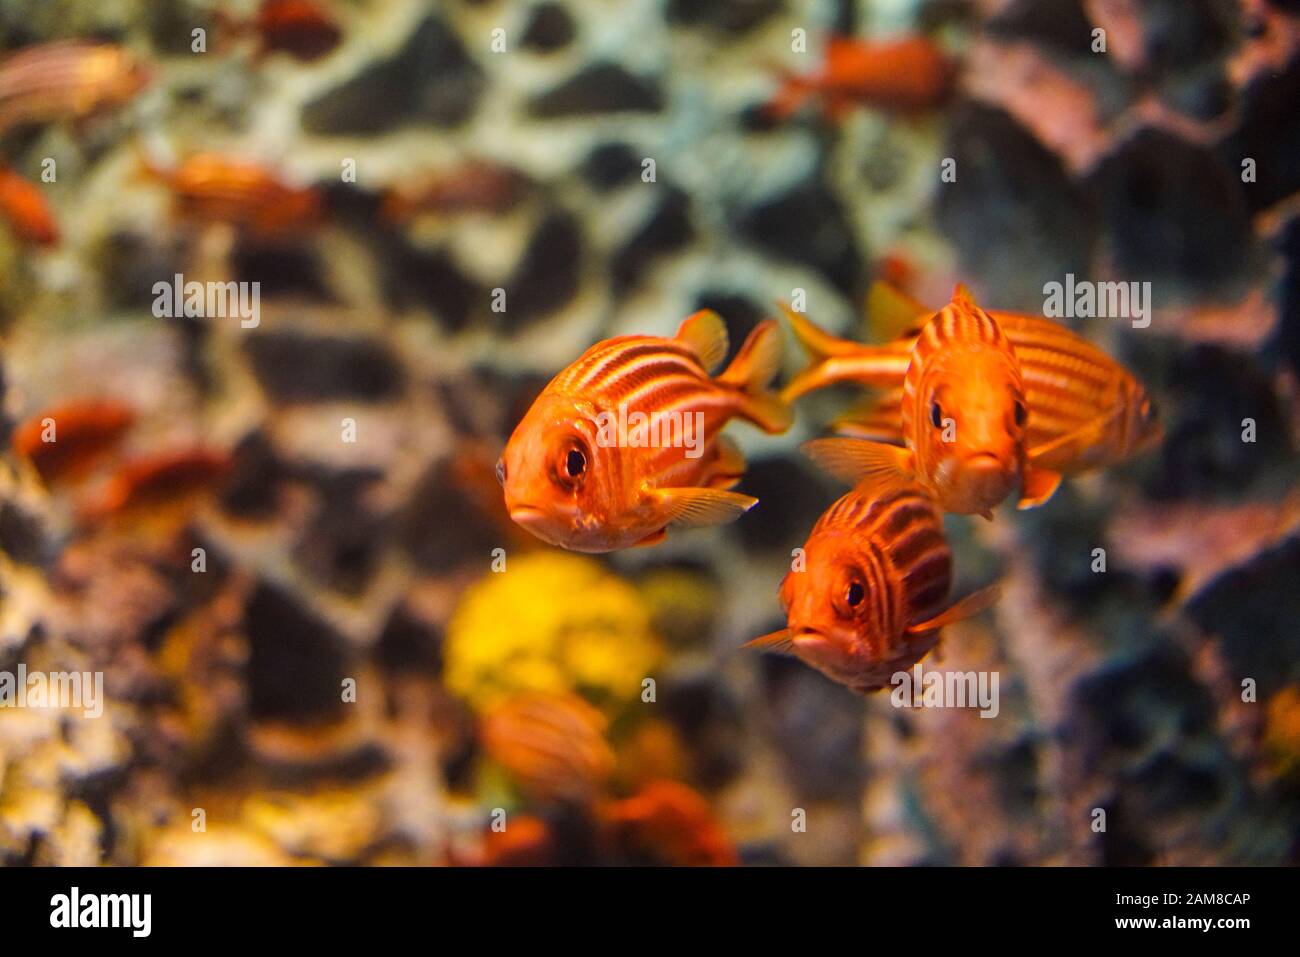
(817, 341)
(969, 606)
(893, 313)
(843, 360)
(754, 367)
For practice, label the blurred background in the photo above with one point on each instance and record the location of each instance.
(282, 542)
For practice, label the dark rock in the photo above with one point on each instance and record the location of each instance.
(807, 224)
(285, 271)
(818, 729)
(550, 28)
(341, 548)
(610, 165)
(706, 714)
(666, 229)
(1183, 33)
(599, 88)
(727, 17)
(1269, 133)
(22, 536)
(1056, 23)
(251, 489)
(1015, 217)
(443, 526)
(547, 274)
(296, 660)
(1172, 211)
(791, 497)
(1286, 339)
(432, 79)
(409, 644)
(1253, 610)
(1202, 453)
(296, 367)
(131, 264)
(415, 278)
(739, 313)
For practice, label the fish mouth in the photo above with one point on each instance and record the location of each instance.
(527, 514)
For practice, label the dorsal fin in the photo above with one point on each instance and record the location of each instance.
(705, 334)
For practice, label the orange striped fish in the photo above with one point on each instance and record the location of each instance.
(962, 415)
(158, 482)
(625, 442)
(1086, 411)
(67, 441)
(667, 822)
(553, 745)
(23, 206)
(872, 596)
(67, 80)
(904, 76)
(212, 188)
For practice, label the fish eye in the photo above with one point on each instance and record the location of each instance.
(501, 471)
(1021, 413)
(575, 463)
(936, 415)
(854, 594)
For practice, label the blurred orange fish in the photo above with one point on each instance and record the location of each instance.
(65, 442)
(625, 442)
(67, 80)
(963, 416)
(553, 745)
(872, 595)
(23, 206)
(159, 481)
(470, 187)
(302, 28)
(527, 842)
(1086, 410)
(904, 76)
(670, 823)
(211, 188)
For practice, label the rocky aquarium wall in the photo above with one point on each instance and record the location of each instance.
(279, 280)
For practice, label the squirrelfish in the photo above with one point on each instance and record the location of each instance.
(66, 80)
(212, 188)
(1086, 410)
(625, 442)
(962, 414)
(553, 745)
(23, 207)
(305, 29)
(905, 76)
(67, 441)
(470, 187)
(872, 593)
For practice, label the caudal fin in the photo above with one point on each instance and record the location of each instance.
(969, 606)
(750, 373)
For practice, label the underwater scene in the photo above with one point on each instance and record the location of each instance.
(476, 433)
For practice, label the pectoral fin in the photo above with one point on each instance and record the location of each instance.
(654, 538)
(853, 460)
(777, 641)
(697, 507)
(972, 604)
(1039, 486)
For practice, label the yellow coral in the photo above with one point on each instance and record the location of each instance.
(551, 622)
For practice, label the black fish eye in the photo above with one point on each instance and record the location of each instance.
(1021, 413)
(501, 471)
(936, 415)
(855, 594)
(575, 463)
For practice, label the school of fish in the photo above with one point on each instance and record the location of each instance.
(971, 407)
